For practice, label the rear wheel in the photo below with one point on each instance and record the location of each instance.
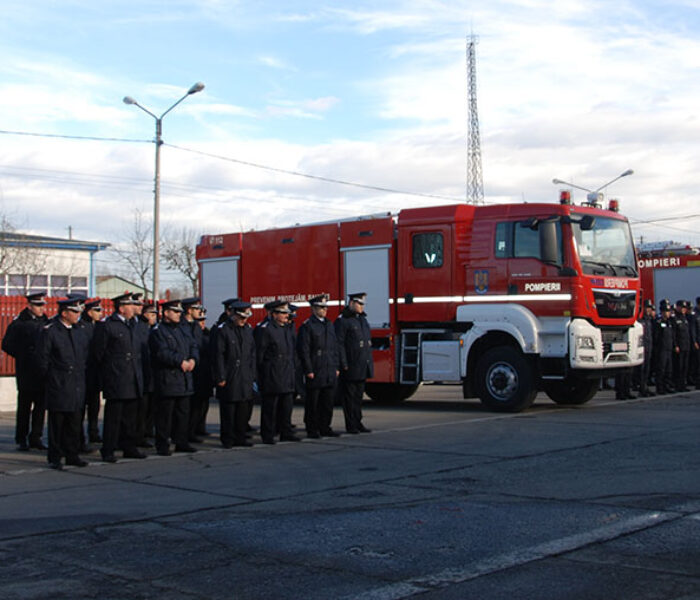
(573, 390)
(505, 380)
(390, 393)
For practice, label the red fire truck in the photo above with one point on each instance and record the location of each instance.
(506, 299)
(669, 270)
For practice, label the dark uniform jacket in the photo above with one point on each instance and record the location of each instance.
(694, 324)
(142, 332)
(92, 377)
(275, 356)
(117, 352)
(354, 346)
(663, 336)
(647, 323)
(233, 361)
(20, 342)
(317, 347)
(62, 359)
(170, 345)
(681, 331)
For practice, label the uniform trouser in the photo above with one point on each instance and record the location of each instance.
(663, 371)
(119, 425)
(680, 369)
(351, 397)
(92, 410)
(64, 435)
(318, 409)
(199, 406)
(623, 384)
(643, 375)
(31, 408)
(234, 422)
(270, 406)
(172, 417)
(144, 418)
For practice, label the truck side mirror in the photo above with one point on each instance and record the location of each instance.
(549, 242)
(587, 222)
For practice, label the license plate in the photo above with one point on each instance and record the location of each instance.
(619, 347)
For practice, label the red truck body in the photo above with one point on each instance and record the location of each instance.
(448, 284)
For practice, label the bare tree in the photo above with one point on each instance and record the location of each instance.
(179, 254)
(19, 258)
(136, 251)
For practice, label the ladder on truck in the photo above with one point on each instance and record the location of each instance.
(410, 354)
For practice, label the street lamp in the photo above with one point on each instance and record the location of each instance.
(197, 87)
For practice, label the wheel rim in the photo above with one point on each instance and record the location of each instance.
(502, 381)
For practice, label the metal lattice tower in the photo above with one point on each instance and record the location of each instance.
(475, 181)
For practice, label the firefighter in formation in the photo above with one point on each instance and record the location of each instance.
(156, 375)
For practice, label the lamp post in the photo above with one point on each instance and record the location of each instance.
(197, 87)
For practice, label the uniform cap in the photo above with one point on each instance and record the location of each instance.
(193, 302)
(269, 305)
(149, 307)
(358, 297)
(36, 298)
(648, 303)
(73, 303)
(279, 306)
(680, 303)
(123, 299)
(665, 304)
(203, 316)
(321, 301)
(93, 305)
(136, 298)
(228, 302)
(242, 309)
(174, 305)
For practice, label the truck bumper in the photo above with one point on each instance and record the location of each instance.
(593, 348)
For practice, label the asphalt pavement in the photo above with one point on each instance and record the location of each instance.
(443, 500)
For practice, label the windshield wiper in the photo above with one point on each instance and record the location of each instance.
(601, 264)
(630, 269)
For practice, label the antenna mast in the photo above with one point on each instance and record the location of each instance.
(475, 182)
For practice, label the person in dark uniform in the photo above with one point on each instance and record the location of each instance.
(141, 327)
(203, 381)
(148, 318)
(92, 313)
(62, 357)
(647, 322)
(356, 363)
(663, 349)
(694, 321)
(317, 348)
(117, 352)
(275, 354)
(234, 370)
(20, 342)
(174, 355)
(681, 350)
(192, 308)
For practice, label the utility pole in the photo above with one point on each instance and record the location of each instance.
(475, 181)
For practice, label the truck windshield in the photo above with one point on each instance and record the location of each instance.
(606, 249)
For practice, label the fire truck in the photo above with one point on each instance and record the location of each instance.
(506, 299)
(669, 270)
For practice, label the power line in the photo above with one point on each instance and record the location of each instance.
(314, 177)
(74, 137)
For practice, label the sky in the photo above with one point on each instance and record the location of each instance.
(367, 92)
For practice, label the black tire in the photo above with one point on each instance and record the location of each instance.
(505, 380)
(390, 393)
(573, 390)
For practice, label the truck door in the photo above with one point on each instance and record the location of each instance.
(366, 269)
(219, 278)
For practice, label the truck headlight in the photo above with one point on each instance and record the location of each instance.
(640, 342)
(585, 341)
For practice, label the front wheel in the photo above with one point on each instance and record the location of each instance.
(571, 391)
(505, 380)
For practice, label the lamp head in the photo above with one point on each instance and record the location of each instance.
(129, 100)
(197, 87)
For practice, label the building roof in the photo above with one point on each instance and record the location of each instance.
(27, 240)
